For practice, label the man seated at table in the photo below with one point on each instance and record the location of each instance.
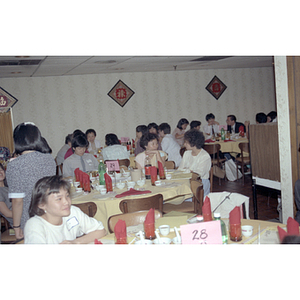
(168, 143)
(232, 125)
(195, 125)
(212, 126)
(79, 159)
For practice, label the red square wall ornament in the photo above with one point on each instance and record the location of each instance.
(121, 93)
(216, 87)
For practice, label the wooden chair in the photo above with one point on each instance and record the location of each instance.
(189, 207)
(6, 238)
(242, 160)
(214, 150)
(131, 219)
(137, 204)
(170, 164)
(89, 208)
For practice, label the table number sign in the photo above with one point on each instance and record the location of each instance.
(113, 165)
(124, 139)
(202, 233)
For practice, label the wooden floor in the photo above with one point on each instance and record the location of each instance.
(266, 200)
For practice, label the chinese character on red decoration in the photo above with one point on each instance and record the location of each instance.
(3, 101)
(121, 93)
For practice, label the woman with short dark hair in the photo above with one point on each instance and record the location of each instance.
(195, 158)
(79, 159)
(25, 170)
(114, 149)
(94, 144)
(180, 130)
(54, 220)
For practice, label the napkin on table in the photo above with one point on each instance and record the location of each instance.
(161, 170)
(132, 192)
(292, 229)
(206, 207)
(86, 182)
(120, 229)
(235, 216)
(209, 141)
(97, 242)
(76, 172)
(108, 182)
(229, 141)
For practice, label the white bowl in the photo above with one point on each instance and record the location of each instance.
(163, 241)
(175, 240)
(164, 229)
(76, 183)
(126, 174)
(130, 184)
(120, 185)
(168, 176)
(103, 191)
(78, 189)
(144, 242)
(247, 230)
(141, 182)
(118, 175)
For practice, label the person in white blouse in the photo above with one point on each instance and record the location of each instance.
(94, 144)
(195, 158)
(54, 220)
(212, 125)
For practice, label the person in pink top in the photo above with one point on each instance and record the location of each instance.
(70, 151)
(180, 130)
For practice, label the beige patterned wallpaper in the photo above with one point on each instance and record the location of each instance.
(58, 105)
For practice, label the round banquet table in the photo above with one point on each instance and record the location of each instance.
(230, 146)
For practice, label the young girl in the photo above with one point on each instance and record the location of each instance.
(180, 130)
(54, 220)
(149, 142)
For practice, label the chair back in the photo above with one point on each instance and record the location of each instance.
(244, 147)
(136, 204)
(89, 208)
(131, 219)
(170, 164)
(212, 149)
(58, 167)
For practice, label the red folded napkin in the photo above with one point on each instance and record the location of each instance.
(86, 182)
(76, 172)
(97, 242)
(108, 182)
(133, 143)
(209, 141)
(81, 178)
(153, 173)
(206, 209)
(120, 229)
(292, 229)
(229, 141)
(132, 192)
(235, 216)
(150, 219)
(161, 170)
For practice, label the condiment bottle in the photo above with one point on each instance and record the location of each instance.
(147, 167)
(217, 216)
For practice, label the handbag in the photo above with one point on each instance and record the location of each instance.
(230, 169)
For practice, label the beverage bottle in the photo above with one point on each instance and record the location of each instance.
(102, 171)
(222, 134)
(128, 145)
(147, 167)
(217, 216)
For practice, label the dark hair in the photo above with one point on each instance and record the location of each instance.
(195, 138)
(209, 116)
(68, 138)
(77, 132)
(232, 117)
(272, 114)
(42, 189)
(4, 181)
(195, 124)
(79, 141)
(141, 128)
(182, 122)
(146, 138)
(28, 137)
(152, 125)
(261, 117)
(165, 127)
(46, 148)
(90, 131)
(111, 139)
(291, 239)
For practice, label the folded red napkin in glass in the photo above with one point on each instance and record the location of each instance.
(235, 216)
(153, 173)
(76, 172)
(108, 182)
(161, 170)
(97, 242)
(206, 209)
(292, 229)
(150, 219)
(120, 229)
(86, 182)
(132, 192)
(229, 141)
(209, 141)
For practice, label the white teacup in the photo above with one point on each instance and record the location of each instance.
(158, 182)
(126, 174)
(141, 182)
(247, 230)
(164, 229)
(168, 176)
(120, 185)
(118, 175)
(76, 184)
(175, 240)
(130, 184)
(103, 191)
(78, 189)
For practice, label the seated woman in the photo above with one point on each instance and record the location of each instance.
(195, 158)
(94, 144)
(114, 149)
(5, 204)
(140, 130)
(70, 151)
(180, 130)
(54, 220)
(153, 128)
(79, 159)
(149, 142)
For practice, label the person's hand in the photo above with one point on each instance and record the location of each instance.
(19, 233)
(147, 152)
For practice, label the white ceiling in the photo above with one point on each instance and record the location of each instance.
(18, 66)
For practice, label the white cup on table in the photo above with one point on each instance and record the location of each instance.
(103, 191)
